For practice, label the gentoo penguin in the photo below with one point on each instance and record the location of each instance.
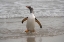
(31, 21)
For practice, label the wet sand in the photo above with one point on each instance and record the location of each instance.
(36, 39)
(12, 30)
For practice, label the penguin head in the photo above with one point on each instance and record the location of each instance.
(29, 7)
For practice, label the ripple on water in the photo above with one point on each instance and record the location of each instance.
(18, 33)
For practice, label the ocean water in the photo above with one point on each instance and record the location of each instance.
(12, 28)
(16, 8)
(49, 12)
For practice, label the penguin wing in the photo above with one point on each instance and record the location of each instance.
(24, 19)
(38, 23)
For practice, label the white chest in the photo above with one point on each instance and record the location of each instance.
(31, 22)
(31, 17)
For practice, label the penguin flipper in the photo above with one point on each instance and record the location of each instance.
(38, 23)
(24, 19)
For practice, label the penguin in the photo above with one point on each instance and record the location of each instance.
(31, 19)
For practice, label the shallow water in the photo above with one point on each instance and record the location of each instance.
(36, 39)
(12, 28)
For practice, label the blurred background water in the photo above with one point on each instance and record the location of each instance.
(16, 8)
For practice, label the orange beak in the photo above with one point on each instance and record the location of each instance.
(27, 6)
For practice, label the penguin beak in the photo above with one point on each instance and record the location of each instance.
(27, 6)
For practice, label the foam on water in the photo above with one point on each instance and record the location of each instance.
(17, 8)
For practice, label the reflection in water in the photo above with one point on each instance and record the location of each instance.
(34, 39)
(31, 39)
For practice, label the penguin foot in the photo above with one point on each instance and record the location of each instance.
(27, 31)
(33, 31)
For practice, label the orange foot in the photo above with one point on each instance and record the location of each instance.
(33, 31)
(27, 31)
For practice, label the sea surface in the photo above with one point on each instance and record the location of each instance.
(17, 8)
(12, 28)
(49, 12)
